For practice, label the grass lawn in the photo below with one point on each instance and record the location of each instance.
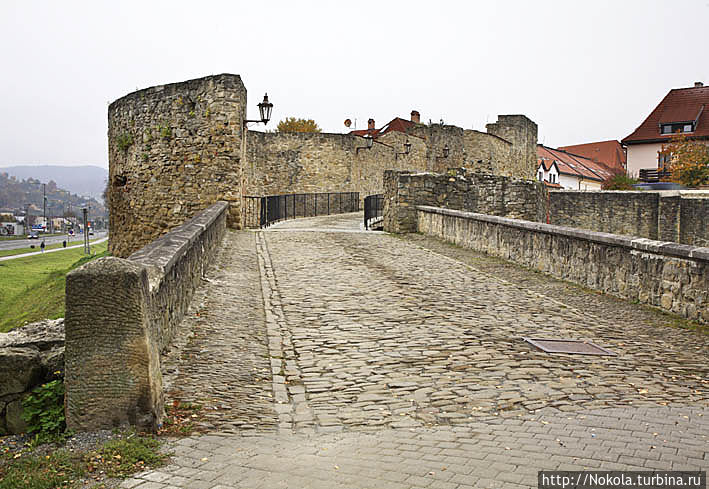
(32, 288)
(37, 249)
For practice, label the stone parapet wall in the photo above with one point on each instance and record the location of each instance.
(677, 216)
(459, 189)
(122, 313)
(670, 276)
(173, 150)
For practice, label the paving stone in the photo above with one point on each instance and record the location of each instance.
(352, 330)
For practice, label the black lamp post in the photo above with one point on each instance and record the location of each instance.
(264, 109)
(446, 152)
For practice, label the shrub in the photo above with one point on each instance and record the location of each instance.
(43, 410)
(619, 180)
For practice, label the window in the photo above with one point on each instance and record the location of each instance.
(663, 160)
(677, 127)
(540, 177)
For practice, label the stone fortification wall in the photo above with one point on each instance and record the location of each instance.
(522, 133)
(671, 276)
(459, 189)
(677, 216)
(694, 220)
(173, 150)
(285, 163)
(486, 153)
(122, 313)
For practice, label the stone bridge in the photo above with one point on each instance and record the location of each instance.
(325, 356)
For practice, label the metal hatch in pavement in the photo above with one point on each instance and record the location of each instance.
(578, 347)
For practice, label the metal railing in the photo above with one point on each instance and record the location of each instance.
(373, 211)
(264, 211)
(653, 175)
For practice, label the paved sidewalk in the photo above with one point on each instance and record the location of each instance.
(331, 358)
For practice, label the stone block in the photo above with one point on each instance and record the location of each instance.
(112, 360)
(20, 369)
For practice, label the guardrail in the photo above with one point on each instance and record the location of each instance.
(373, 211)
(269, 209)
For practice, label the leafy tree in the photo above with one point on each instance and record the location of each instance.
(619, 180)
(291, 124)
(689, 164)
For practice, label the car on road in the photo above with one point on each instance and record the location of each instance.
(33, 236)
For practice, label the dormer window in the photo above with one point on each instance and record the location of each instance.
(677, 127)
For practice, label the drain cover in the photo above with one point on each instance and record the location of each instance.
(578, 347)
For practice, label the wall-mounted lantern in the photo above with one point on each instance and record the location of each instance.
(407, 149)
(370, 142)
(446, 152)
(264, 109)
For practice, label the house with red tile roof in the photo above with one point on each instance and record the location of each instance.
(683, 111)
(570, 171)
(610, 153)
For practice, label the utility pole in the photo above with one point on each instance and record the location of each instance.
(44, 214)
(87, 249)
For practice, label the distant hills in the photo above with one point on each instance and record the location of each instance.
(87, 180)
(16, 196)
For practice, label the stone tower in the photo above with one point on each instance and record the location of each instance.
(522, 133)
(173, 150)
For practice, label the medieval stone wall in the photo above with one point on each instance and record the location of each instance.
(459, 189)
(486, 153)
(176, 149)
(522, 133)
(173, 150)
(121, 314)
(671, 276)
(285, 163)
(694, 219)
(677, 216)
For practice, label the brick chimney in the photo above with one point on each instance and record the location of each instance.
(370, 124)
(698, 84)
(415, 116)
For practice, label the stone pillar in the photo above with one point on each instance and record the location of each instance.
(112, 361)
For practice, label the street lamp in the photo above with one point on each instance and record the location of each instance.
(446, 152)
(407, 150)
(264, 109)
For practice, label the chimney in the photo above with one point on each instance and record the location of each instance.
(370, 124)
(698, 84)
(415, 116)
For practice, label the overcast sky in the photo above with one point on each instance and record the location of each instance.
(583, 71)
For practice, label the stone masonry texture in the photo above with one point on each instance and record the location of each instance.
(398, 362)
(677, 216)
(176, 149)
(671, 276)
(460, 189)
(121, 313)
(173, 150)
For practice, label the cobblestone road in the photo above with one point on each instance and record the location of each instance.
(367, 360)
